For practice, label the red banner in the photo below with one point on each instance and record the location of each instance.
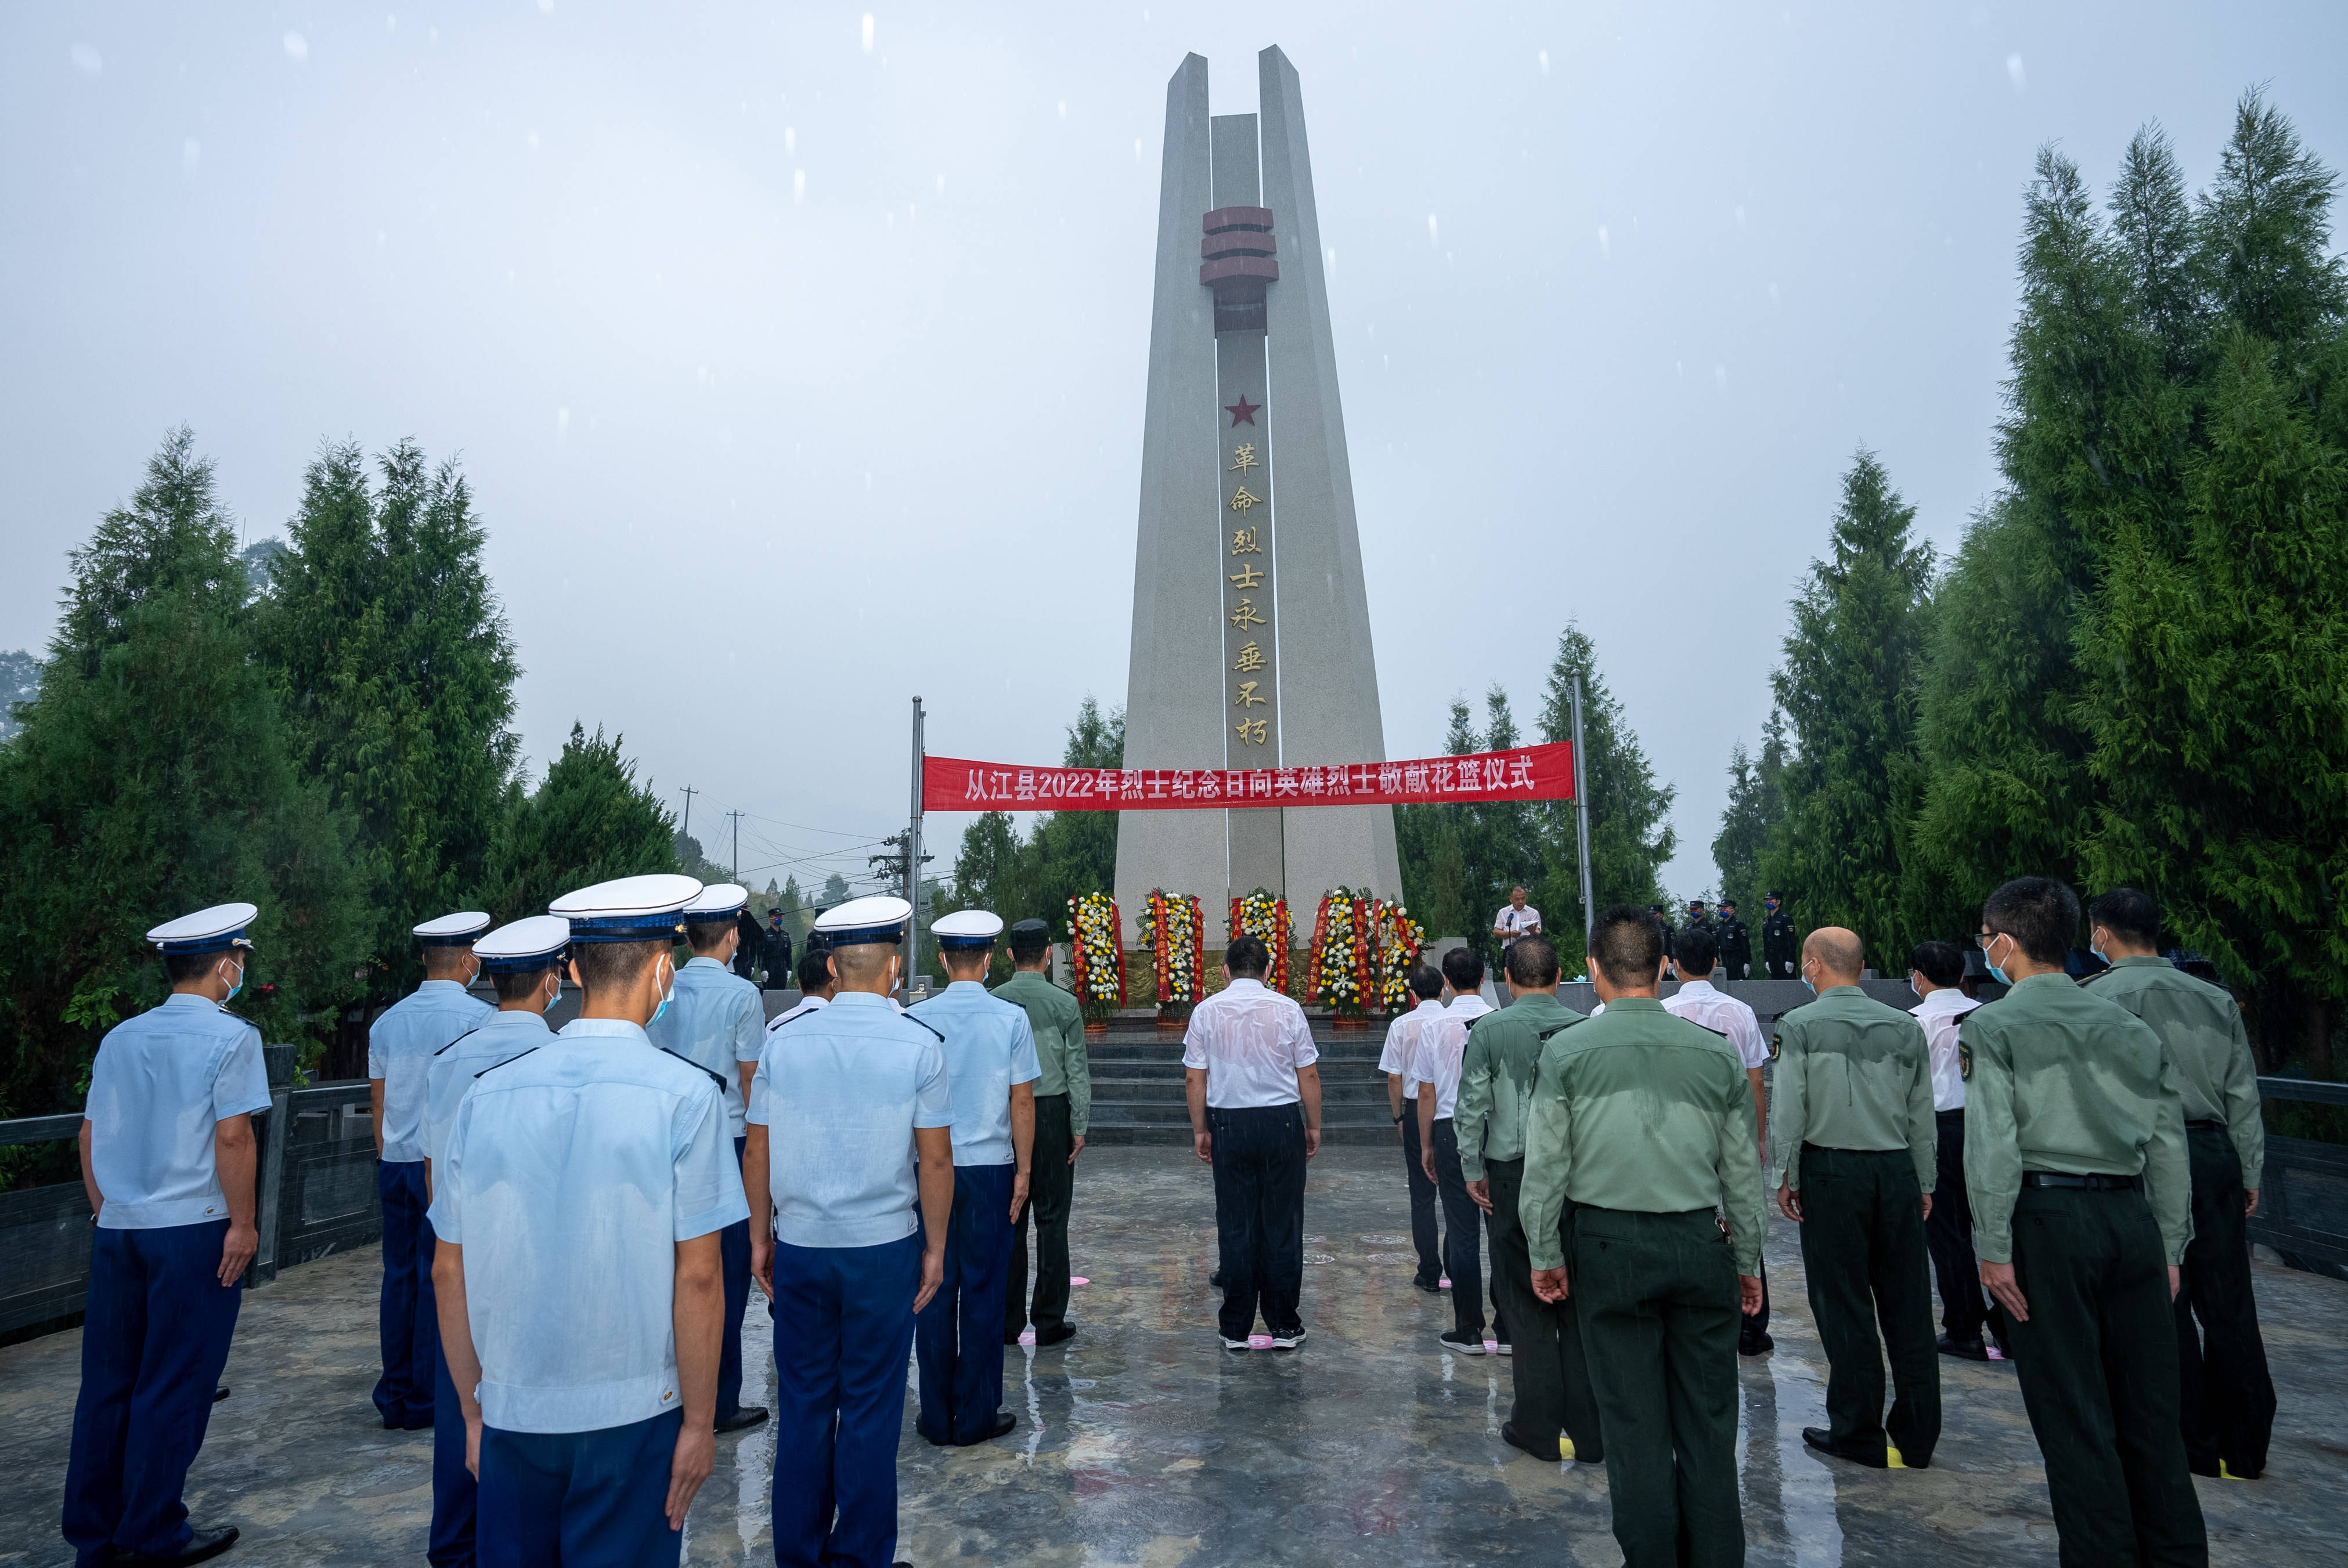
(1526, 772)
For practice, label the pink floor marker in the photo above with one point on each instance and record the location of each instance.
(1492, 1346)
(1259, 1341)
(1027, 1337)
(1078, 1279)
(1995, 1354)
(1444, 1284)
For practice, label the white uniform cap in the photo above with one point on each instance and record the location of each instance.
(718, 903)
(876, 919)
(631, 909)
(521, 946)
(965, 929)
(455, 931)
(212, 930)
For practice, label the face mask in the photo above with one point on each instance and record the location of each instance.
(235, 988)
(555, 998)
(1995, 972)
(1805, 982)
(668, 995)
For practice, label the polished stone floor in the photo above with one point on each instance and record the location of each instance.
(1140, 1441)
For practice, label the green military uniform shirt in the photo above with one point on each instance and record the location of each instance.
(1852, 1073)
(1059, 1025)
(1638, 1109)
(2058, 1079)
(2208, 1051)
(1495, 1074)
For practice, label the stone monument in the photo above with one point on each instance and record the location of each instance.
(1251, 627)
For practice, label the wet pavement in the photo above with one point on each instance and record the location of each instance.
(1141, 1442)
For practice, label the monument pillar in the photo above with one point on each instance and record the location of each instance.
(1250, 622)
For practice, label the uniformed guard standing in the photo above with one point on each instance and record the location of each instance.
(1643, 1123)
(2226, 1398)
(990, 1050)
(578, 1205)
(1777, 955)
(524, 960)
(168, 1158)
(1736, 942)
(865, 1111)
(1554, 1415)
(1064, 1108)
(717, 1019)
(1856, 1153)
(2082, 1195)
(400, 1044)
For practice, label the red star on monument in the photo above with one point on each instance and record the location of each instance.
(1242, 411)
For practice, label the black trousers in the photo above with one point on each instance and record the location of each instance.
(1051, 1182)
(1863, 1250)
(1550, 1375)
(1463, 1240)
(1739, 964)
(1949, 1237)
(2225, 1397)
(1658, 1306)
(1422, 1201)
(1259, 1156)
(2098, 1362)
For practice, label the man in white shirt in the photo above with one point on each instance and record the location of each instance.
(1435, 1074)
(1695, 951)
(1934, 970)
(1516, 918)
(1402, 1041)
(816, 988)
(1254, 1089)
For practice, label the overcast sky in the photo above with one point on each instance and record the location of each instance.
(795, 356)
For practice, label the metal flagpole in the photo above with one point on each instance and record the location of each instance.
(1582, 817)
(913, 857)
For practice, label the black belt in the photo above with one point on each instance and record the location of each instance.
(2092, 1184)
(2208, 1125)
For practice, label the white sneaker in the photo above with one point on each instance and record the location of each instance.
(1459, 1344)
(1229, 1344)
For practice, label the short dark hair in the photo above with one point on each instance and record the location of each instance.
(701, 934)
(513, 984)
(1943, 963)
(2128, 913)
(1464, 968)
(1029, 943)
(1425, 982)
(1693, 951)
(1627, 942)
(2039, 913)
(445, 958)
(1247, 957)
(815, 968)
(608, 965)
(184, 966)
(1531, 961)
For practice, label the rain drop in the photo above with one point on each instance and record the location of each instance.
(297, 48)
(1720, 377)
(533, 141)
(546, 6)
(1137, 149)
(1064, 108)
(87, 60)
(561, 424)
(1544, 62)
(1333, 258)
(2014, 72)
(1605, 245)
(1430, 229)
(191, 152)
(390, 21)
(868, 32)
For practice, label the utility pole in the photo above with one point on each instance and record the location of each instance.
(737, 844)
(1582, 816)
(686, 827)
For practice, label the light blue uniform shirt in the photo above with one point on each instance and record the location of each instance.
(717, 1020)
(400, 1044)
(855, 1079)
(161, 1081)
(990, 1046)
(569, 1176)
(450, 1070)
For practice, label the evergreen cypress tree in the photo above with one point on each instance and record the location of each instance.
(1630, 835)
(1850, 688)
(152, 778)
(588, 821)
(1756, 805)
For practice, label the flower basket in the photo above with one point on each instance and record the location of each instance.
(1097, 957)
(1173, 930)
(1339, 973)
(1399, 941)
(1261, 915)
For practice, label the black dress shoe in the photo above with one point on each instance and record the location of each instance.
(1429, 1286)
(1964, 1349)
(220, 1393)
(1516, 1440)
(1760, 1345)
(1004, 1421)
(202, 1547)
(1055, 1335)
(1011, 1336)
(742, 1420)
(1215, 1280)
(1822, 1440)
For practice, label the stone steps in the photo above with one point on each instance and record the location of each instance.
(1138, 1085)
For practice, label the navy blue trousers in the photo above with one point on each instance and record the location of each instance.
(958, 1338)
(844, 1328)
(580, 1500)
(407, 1319)
(454, 1494)
(152, 1346)
(733, 1257)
